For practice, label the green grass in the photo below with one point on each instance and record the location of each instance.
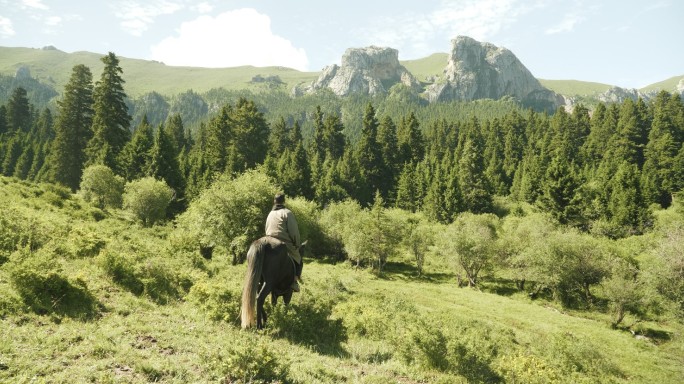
(665, 85)
(427, 67)
(53, 67)
(575, 87)
(347, 325)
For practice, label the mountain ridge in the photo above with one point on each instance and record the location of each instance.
(53, 67)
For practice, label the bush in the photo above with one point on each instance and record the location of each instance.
(100, 186)
(231, 213)
(38, 278)
(248, 360)
(219, 301)
(147, 199)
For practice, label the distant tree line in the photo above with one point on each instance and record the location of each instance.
(598, 171)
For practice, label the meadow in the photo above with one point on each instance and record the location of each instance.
(89, 295)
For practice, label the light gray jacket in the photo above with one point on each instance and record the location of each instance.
(282, 224)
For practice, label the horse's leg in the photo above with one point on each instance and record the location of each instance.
(261, 313)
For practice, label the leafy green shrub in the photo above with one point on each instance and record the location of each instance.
(470, 242)
(220, 301)
(577, 359)
(100, 186)
(248, 360)
(147, 199)
(147, 275)
(84, 242)
(230, 213)
(121, 268)
(37, 277)
(527, 368)
(307, 214)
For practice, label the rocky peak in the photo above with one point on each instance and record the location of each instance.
(369, 70)
(478, 70)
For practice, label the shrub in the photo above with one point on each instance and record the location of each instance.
(230, 213)
(248, 360)
(527, 368)
(470, 241)
(219, 301)
(38, 278)
(100, 186)
(147, 199)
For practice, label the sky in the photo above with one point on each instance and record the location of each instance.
(628, 43)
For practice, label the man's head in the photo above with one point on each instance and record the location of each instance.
(279, 198)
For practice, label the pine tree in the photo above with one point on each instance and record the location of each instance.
(134, 159)
(560, 187)
(664, 142)
(333, 137)
(72, 130)
(18, 111)
(249, 137)
(163, 162)
(216, 138)
(3, 119)
(111, 121)
(407, 189)
(387, 140)
(626, 206)
(44, 127)
(369, 157)
(475, 189)
(410, 140)
(177, 132)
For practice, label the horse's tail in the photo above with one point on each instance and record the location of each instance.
(255, 263)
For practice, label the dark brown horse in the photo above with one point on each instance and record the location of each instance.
(269, 271)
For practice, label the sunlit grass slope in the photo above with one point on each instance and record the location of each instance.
(158, 312)
(53, 67)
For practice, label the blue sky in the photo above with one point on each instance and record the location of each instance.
(620, 42)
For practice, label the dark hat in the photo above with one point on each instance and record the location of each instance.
(279, 198)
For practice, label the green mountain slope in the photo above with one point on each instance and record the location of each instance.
(53, 67)
(130, 304)
(142, 76)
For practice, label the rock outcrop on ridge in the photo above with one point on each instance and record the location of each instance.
(478, 70)
(369, 70)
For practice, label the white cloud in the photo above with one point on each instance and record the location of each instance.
(235, 38)
(53, 21)
(37, 4)
(203, 7)
(480, 19)
(6, 28)
(566, 25)
(136, 17)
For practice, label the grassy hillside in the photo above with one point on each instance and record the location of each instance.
(90, 296)
(424, 68)
(54, 67)
(575, 87)
(665, 85)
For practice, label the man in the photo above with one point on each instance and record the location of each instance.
(282, 225)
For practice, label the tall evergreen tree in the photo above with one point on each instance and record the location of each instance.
(369, 157)
(387, 140)
(18, 111)
(3, 119)
(664, 142)
(111, 121)
(163, 162)
(72, 129)
(135, 157)
(626, 206)
(560, 187)
(216, 138)
(249, 137)
(333, 137)
(177, 133)
(43, 129)
(475, 189)
(410, 140)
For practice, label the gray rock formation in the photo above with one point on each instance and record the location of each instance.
(23, 72)
(369, 70)
(618, 95)
(483, 71)
(680, 87)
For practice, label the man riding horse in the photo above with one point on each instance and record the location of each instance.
(282, 225)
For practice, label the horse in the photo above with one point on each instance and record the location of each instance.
(269, 270)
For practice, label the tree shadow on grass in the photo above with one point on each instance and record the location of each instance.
(308, 324)
(55, 295)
